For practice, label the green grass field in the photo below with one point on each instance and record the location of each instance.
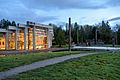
(8, 62)
(104, 66)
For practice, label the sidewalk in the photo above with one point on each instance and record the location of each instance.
(97, 48)
(39, 64)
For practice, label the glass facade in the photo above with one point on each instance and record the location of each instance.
(20, 39)
(41, 38)
(28, 38)
(11, 40)
(2, 41)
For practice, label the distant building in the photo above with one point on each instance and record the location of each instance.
(26, 37)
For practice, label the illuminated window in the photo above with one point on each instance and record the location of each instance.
(3, 43)
(45, 38)
(41, 38)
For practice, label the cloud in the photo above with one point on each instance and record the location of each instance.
(57, 10)
(44, 18)
(40, 19)
(113, 19)
(16, 10)
(64, 4)
(113, 3)
(70, 4)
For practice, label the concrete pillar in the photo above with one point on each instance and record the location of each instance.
(28, 39)
(16, 38)
(34, 38)
(6, 40)
(25, 35)
(50, 36)
(49, 41)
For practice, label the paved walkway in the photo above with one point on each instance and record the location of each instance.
(98, 48)
(12, 52)
(39, 64)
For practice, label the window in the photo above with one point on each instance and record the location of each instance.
(45, 38)
(3, 43)
(41, 38)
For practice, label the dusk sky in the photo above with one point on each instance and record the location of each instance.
(58, 11)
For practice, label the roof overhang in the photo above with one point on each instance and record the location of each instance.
(22, 26)
(12, 27)
(3, 30)
(38, 25)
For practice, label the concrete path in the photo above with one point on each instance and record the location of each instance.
(13, 52)
(39, 64)
(98, 48)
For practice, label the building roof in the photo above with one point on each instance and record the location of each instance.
(3, 30)
(38, 25)
(31, 24)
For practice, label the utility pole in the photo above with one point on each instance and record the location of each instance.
(69, 34)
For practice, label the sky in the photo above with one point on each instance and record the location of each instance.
(58, 11)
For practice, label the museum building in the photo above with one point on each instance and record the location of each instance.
(29, 36)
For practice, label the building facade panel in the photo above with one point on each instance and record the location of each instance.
(2, 41)
(11, 42)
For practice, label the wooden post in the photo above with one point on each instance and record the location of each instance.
(96, 36)
(77, 37)
(69, 34)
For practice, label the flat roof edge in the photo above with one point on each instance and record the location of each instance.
(3, 30)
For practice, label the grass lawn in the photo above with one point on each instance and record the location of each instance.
(104, 66)
(8, 62)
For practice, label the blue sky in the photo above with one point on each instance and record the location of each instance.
(58, 11)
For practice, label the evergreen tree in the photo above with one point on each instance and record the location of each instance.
(105, 32)
(60, 37)
(75, 33)
(13, 23)
(118, 36)
(82, 35)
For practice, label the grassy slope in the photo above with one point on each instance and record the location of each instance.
(105, 66)
(8, 62)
